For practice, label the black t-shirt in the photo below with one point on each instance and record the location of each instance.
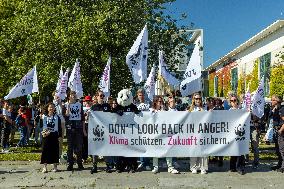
(105, 107)
(281, 114)
(1, 119)
(276, 117)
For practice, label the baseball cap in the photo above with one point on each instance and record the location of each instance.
(88, 98)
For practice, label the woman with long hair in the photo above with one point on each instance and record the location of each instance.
(52, 131)
(158, 105)
(197, 163)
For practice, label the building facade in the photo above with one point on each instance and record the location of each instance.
(242, 68)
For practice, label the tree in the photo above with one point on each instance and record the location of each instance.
(51, 33)
(277, 80)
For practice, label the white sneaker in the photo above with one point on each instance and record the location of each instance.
(173, 170)
(194, 171)
(44, 170)
(155, 170)
(203, 171)
(140, 166)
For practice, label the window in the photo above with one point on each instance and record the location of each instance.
(234, 79)
(264, 70)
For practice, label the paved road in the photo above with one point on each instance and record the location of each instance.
(28, 175)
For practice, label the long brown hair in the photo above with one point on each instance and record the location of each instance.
(191, 107)
(155, 101)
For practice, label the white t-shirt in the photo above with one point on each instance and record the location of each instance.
(50, 123)
(6, 113)
(75, 111)
(143, 106)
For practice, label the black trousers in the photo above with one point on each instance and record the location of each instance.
(237, 162)
(280, 150)
(5, 132)
(75, 143)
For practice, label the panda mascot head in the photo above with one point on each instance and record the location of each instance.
(125, 98)
(125, 102)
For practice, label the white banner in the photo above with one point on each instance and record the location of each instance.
(258, 102)
(27, 85)
(164, 72)
(62, 88)
(105, 79)
(74, 82)
(59, 79)
(136, 58)
(169, 134)
(192, 77)
(150, 84)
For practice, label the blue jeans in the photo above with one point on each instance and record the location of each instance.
(23, 133)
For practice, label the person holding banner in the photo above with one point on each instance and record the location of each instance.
(197, 163)
(51, 133)
(276, 115)
(237, 163)
(100, 106)
(281, 139)
(142, 105)
(158, 105)
(74, 131)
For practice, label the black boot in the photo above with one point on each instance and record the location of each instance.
(94, 169)
(70, 167)
(80, 166)
(108, 169)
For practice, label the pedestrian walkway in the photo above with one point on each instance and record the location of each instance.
(29, 175)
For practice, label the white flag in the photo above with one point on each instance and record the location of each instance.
(59, 79)
(74, 82)
(164, 72)
(192, 77)
(27, 85)
(136, 58)
(150, 84)
(62, 88)
(105, 79)
(257, 106)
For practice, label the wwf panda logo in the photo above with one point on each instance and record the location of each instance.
(183, 87)
(240, 132)
(98, 132)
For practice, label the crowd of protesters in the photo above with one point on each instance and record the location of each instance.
(47, 125)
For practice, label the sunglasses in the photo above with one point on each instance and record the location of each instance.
(234, 100)
(170, 97)
(197, 98)
(101, 95)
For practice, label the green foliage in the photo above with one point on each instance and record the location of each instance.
(50, 33)
(211, 84)
(252, 79)
(241, 85)
(277, 80)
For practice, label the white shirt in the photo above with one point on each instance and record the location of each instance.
(6, 113)
(50, 123)
(143, 106)
(75, 111)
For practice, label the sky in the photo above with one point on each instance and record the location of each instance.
(226, 23)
